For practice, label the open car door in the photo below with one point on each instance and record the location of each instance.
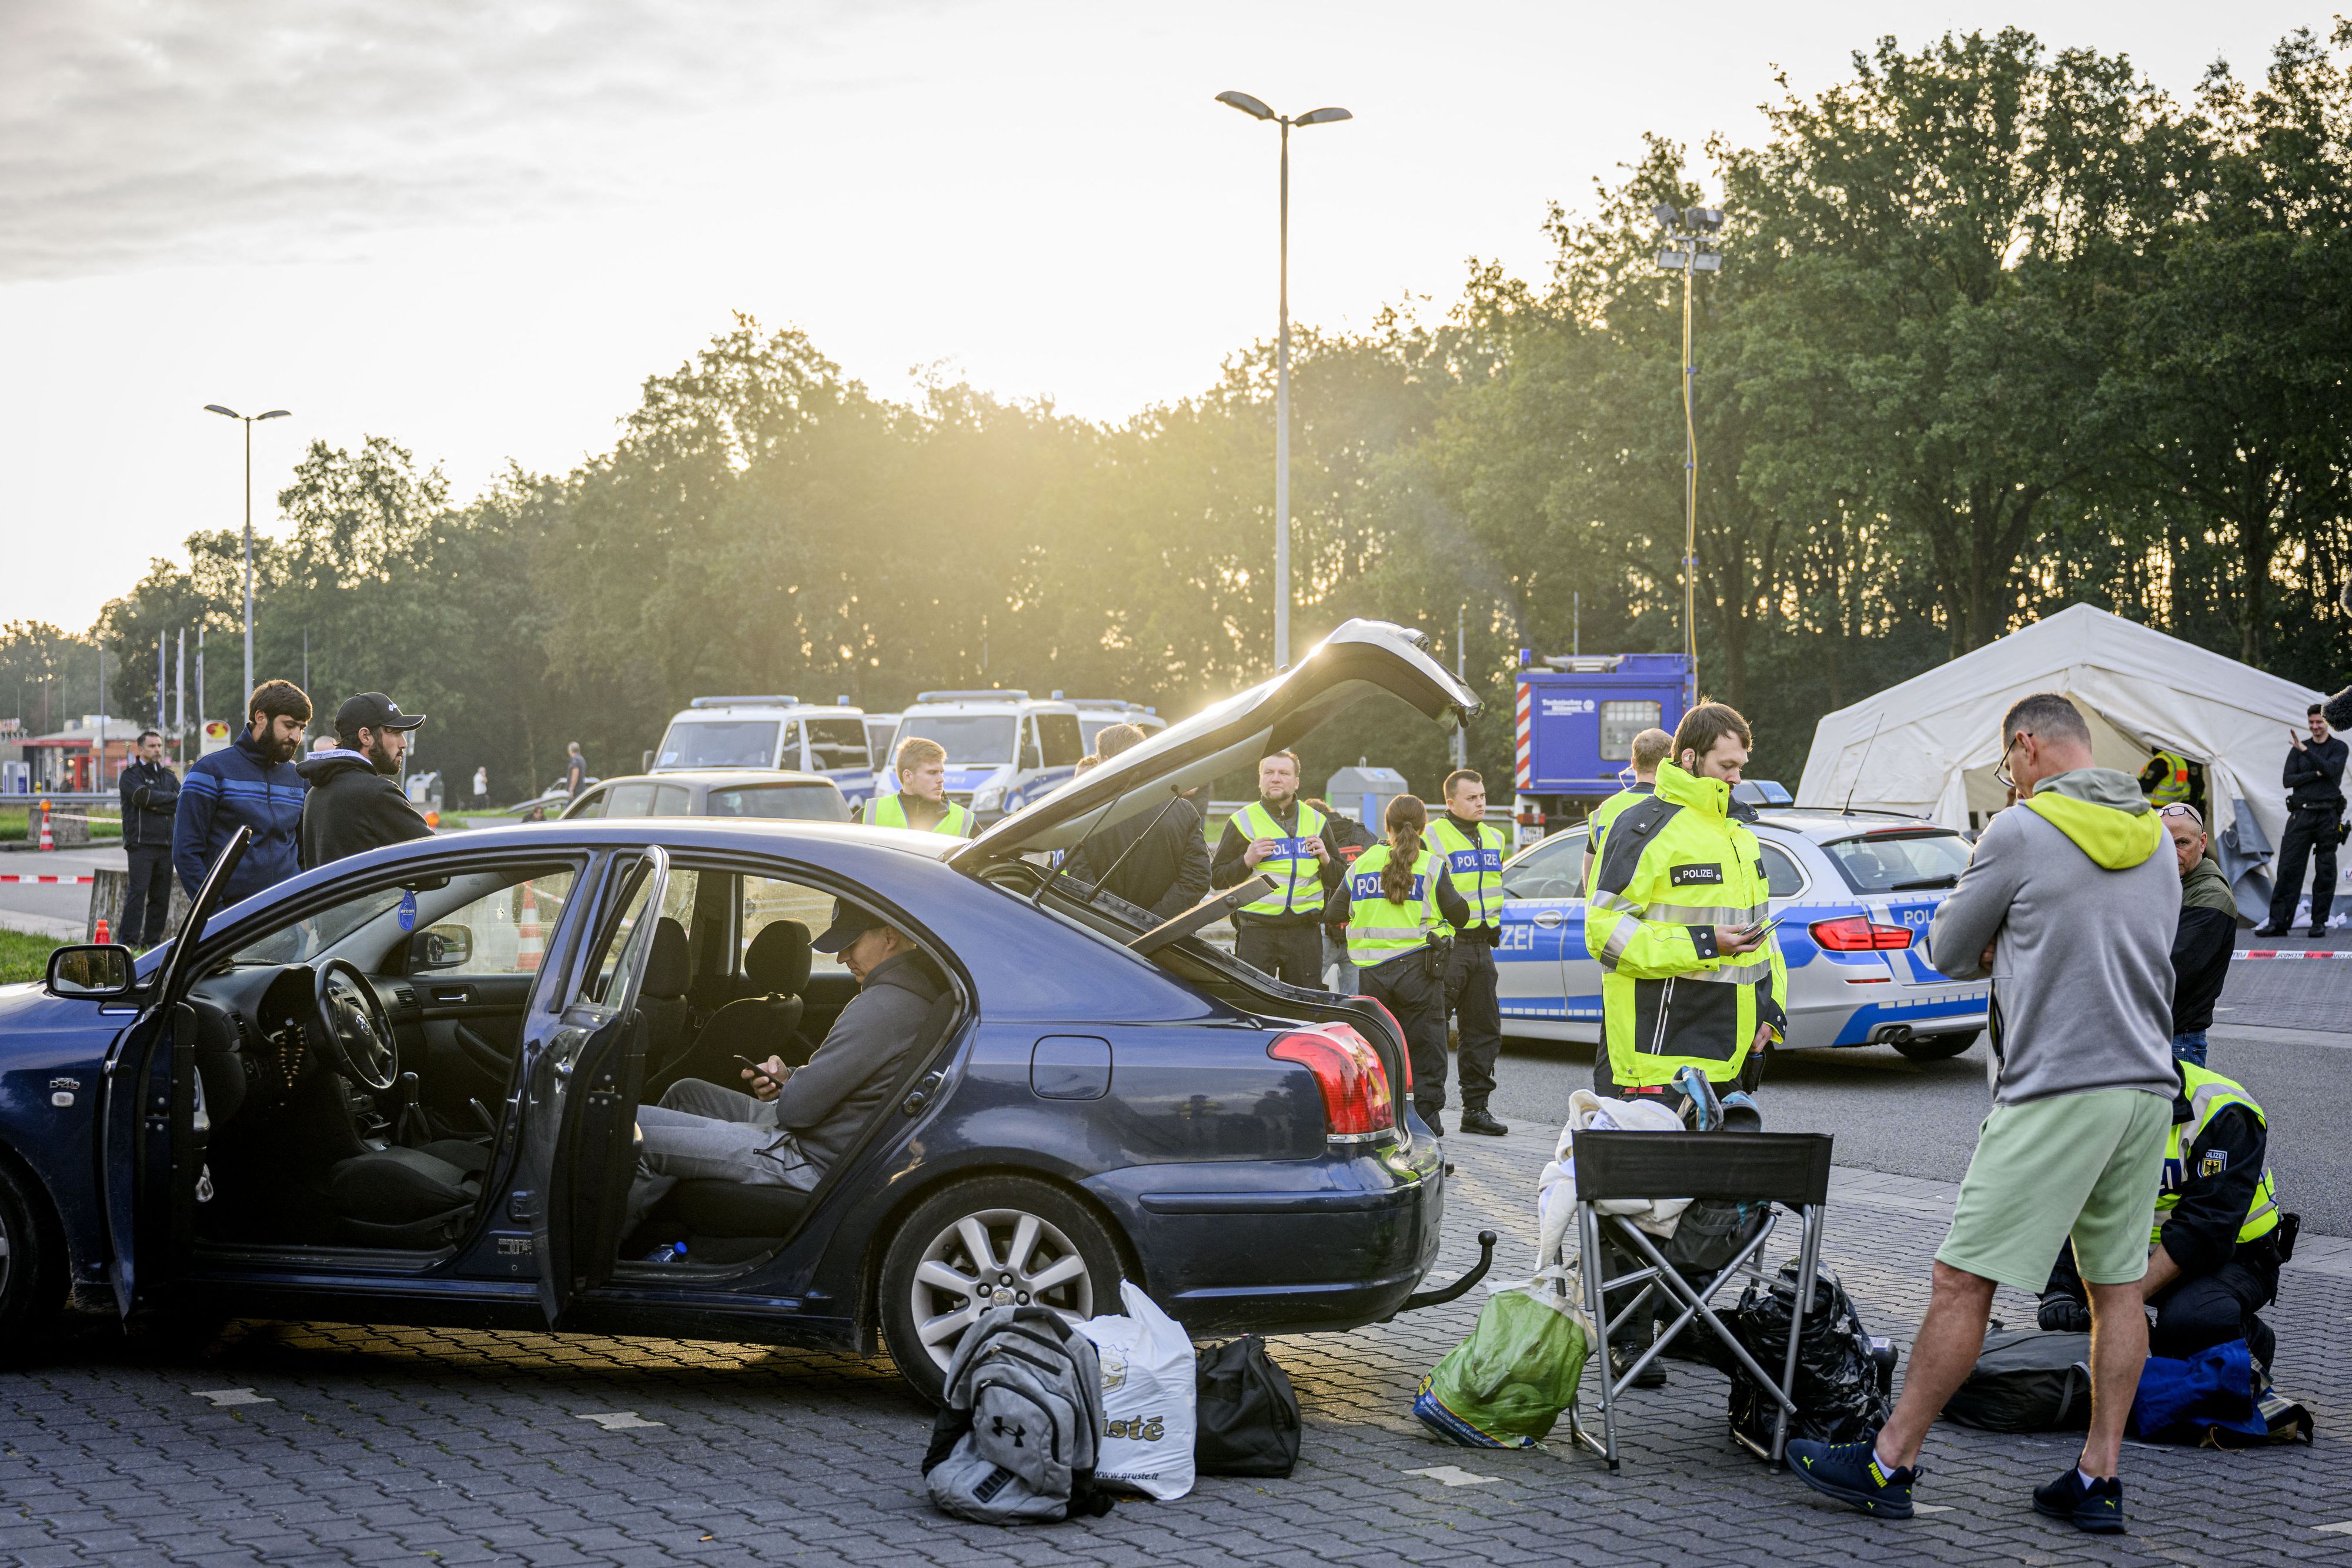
(1357, 659)
(579, 1125)
(154, 1116)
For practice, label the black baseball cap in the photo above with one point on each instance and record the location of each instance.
(372, 710)
(849, 923)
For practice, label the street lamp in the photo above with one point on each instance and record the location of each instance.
(1687, 250)
(1256, 109)
(247, 418)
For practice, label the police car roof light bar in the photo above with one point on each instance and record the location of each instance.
(999, 695)
(770, 699)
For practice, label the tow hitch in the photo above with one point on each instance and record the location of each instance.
(1445, 1293)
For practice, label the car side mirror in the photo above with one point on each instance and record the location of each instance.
(1030, 759)
(439, 948)
(100, 969)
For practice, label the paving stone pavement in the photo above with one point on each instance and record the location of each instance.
(304, 1443)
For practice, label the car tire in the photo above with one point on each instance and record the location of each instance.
(1937, 1047)
(32, 1262)
(1006, 1212)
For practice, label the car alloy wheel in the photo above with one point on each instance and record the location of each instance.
(982, 1242)
(32, 1275)
(997, 1258)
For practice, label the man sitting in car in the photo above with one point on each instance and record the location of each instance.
(796, 1122)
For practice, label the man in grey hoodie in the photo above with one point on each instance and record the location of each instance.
(2069, 905)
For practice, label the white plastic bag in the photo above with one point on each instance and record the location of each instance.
(1147, 1389)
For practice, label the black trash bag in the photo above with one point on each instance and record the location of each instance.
(1844, 1376)
(1246, 1414)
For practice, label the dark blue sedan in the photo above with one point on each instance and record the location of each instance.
(404, 1087)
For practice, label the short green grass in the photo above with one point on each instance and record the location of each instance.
(17, 823)
(23, 957)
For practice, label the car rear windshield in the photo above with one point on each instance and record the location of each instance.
(720, 742)
(1907, 860)
(837, 743)
(800, 802)
(972, 740)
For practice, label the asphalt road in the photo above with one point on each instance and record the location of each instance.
(52, 909)
(1920, 1119)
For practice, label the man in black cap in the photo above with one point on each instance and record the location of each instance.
(796, 1122)
(355, 802)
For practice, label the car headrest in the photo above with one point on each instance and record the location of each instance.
(777, 959)
(668, 969)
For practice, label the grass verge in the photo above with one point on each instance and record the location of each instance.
(24, 957)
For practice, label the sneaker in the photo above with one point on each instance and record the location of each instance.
(1482, 1122)
(1851, 1473)
(2097, 1508)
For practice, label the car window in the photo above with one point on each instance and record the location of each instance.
(837, 743)
(1030, 756)
(794, 802)
(1887, 861)
(629, 800)
(606, 979)
(972, 740)
(510, 924)
(1063, 744)
(1553, 869)
(878, 732)
(767, 899)
(1780, 873)
(672, 801)
(720, 742)
(317, 934)
(590, 804)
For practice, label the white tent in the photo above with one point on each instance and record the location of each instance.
(1930, 744)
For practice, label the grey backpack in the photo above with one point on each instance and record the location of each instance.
(1016, 1442)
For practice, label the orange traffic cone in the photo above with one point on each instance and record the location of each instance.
(46, 842)
(531, 945)
(102, 936)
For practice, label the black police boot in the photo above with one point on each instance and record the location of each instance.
(1479, 1120)
(1625, 1354)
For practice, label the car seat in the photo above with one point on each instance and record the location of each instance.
(663, 1011)
(755, 1027)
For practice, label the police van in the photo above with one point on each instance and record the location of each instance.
(771, 731)
(1005, 748)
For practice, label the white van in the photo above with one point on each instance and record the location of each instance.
(774, 731)
(1098, 713)
(1005, 749)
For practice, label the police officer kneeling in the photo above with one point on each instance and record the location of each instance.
(1688, 975)
(1400, 909)
(2218, 1238)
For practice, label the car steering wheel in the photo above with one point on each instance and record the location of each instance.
(359, 1033)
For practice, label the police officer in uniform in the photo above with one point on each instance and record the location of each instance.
(1650, 748)
(1402, 907)
(1279, 836)
(2313, 778)
(1473, 861)
(2218, 1238)
(1689, 977)
(921, 800)
(2171, 779)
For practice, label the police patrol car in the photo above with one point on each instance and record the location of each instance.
(1005, 748)
(1853, 892)
(771, 732)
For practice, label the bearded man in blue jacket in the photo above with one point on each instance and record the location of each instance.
(249, 785)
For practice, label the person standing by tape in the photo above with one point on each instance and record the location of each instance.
(1474, 861)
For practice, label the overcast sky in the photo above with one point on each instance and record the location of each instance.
(474, 227)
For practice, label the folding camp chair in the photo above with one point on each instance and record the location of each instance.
(1787, 1168)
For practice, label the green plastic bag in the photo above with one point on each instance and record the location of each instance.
(1504, 1385)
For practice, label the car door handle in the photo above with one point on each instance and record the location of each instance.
(1548, 918)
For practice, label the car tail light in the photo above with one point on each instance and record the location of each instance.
(1396, 1032)
(1355, 1086)
(1859, 933)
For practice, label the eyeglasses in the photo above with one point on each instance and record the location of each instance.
(2179, 808)
(2000, 772)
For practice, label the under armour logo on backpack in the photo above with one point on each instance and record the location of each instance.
(1018, 1431)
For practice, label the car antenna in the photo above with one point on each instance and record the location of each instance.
(1847, 809)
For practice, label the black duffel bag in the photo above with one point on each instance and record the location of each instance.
(1246, 1413)
(2027, 1381)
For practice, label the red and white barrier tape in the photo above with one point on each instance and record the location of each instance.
(2291, 953)
(80, 879)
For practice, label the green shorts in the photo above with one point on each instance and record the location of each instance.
(2086, 1166)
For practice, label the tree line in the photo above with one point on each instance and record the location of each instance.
(1999, 329)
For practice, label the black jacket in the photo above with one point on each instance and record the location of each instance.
(151, 799)
(2200, 962)
(352, 806)
(2218, 1178)
(1228, 869)
(2313, 776)
(1168, 871)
